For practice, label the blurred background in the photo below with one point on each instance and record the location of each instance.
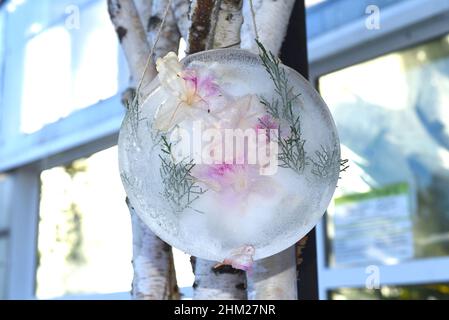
(382, 66)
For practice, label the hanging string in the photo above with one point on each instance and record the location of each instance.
(253, 15)
(150, 56)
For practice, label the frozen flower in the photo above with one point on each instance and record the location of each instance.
(192, 93)
(242, 113)
(241, 258)
(267, 122)
(235, 182)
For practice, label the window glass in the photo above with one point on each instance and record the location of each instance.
(392, 114)
(5, 203)
(3, 256)
(84, 239)
(438, 291)
(69, 65)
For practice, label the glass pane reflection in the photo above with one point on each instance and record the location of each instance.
(84, 241)
(68, 68)
(392, 114)
(437, 291)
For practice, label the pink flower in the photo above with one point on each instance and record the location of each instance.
(267, 122)
(191, 93)
(235, 182)
(242, 113)
(241, 258)
(201, 83)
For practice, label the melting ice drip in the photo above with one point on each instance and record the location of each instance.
(231, 158)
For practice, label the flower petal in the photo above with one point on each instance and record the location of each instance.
(169, 73)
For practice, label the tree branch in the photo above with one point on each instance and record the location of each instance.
(274, 278)
(152, 262)
(132, 38)
(223, 282)
(201, 23)
(272, 17)
(226, 24)
(154, 275)
(169, 38)
(181, 11)
(144, 8)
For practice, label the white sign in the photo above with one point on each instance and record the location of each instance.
(375, 226)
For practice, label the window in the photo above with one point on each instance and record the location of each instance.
(84, 239)
(3, 259)
(386, 90)
(62, 74)
(391, 113)
(437, 291)
(72, 64)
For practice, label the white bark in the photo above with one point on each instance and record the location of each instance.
(222, 283)
(144, 8)
(227, 21)
(168, 41)
(274, 278)
(169, 36)
(153, 264)
(181, 11)
(154, 274)
(132, 38)
(272, 17)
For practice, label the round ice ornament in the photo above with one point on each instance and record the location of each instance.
(232, 157)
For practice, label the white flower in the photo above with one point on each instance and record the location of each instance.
(192, 93)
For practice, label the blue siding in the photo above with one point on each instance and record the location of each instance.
(332, 14)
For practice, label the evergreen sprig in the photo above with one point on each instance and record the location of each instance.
(292, 154)
(324, 162)
(180, 188)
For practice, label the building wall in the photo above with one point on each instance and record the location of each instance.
(332, 14)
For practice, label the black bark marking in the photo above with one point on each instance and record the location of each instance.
(153, 23)
(193, 263)
(225, 269)
(121, 33)
(114, 8)
(240, 286)
(165, 247)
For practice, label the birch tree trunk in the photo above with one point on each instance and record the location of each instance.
(273, 277)
(133, 39)
(154, 275)
(169, 36)
(181, 13)
(212, 27)
(272, 17)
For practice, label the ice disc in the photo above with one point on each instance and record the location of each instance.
(229, 151)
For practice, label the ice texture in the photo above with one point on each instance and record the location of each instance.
(211, 229)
